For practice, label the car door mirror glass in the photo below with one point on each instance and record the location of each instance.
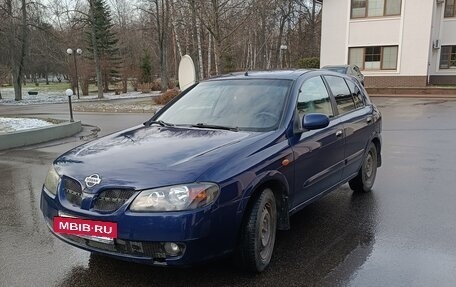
(315, 121)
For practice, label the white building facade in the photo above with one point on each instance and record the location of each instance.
(396, 43)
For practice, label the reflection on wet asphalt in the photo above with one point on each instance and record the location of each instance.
(402, 234)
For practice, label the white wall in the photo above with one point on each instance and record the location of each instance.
(416, 37)
(411, 32)
(379, 31)
(447, 36)
(334, 32)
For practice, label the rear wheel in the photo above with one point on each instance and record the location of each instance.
(365, 179)
(258, 233)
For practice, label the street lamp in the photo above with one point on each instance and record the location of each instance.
(69, 93)
(282, 49)
(74, 53)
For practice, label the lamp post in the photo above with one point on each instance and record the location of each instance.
(74, 52)
(69, 93)
(282, 49)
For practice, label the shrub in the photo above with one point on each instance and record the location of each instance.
(156, 85)
(167, 96)
(309, 63)
(145, 88)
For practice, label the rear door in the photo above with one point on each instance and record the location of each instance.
(319, 156)
(356, 118)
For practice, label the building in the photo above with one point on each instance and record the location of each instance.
(396, 43)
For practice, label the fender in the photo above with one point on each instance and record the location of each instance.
(281, 194)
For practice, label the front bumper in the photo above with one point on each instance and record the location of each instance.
(205, 233)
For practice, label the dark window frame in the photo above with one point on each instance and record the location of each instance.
(363, 67)
(336, 104)
(360, 95)
(367, 10)
(451, 53)
(449, 11)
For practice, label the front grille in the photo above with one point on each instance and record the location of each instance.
(153, 250)
(72, 191)
(111, 200)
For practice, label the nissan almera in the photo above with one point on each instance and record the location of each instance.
(217, 171)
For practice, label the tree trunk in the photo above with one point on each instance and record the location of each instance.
(209, 55)
(124, 85)
(96, 56)
(85, 87)
(162, 27)
(105, 83)
(195, 35)
(216, 60)
(279, 43)
(200, 53)
(219, 61)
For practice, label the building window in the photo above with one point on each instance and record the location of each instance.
(375, 8)
(374, 58)
(450, 8)
(448, 57)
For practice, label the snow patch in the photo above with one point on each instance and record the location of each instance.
(51, 97)
(17, 124)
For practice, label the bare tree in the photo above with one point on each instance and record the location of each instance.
(14, 15)
(96, 54)
(222, 19)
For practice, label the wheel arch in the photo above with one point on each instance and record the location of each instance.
(378, 146)
(278, 183)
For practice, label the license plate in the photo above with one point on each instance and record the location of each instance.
(85, 227)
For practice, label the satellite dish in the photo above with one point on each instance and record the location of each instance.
(186, 74)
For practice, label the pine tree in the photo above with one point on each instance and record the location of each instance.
(146, 69)
(106, 42)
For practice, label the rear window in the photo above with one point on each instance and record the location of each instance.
(342, 70)
(356, 94)
(341, 93)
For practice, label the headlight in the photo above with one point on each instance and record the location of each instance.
(52, 180)
(176, 198)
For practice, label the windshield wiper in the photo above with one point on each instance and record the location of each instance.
(160, 122)
(216, 127)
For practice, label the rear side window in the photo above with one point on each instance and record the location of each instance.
(314, 98)
(356, 94)
(341, 93)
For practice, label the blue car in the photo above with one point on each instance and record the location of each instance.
(216, 171)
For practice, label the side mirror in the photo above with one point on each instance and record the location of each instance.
(315, 121)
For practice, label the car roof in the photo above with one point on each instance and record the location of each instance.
(280, 74)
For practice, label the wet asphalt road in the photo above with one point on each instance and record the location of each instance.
(401, 234)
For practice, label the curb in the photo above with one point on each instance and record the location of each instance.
(39, 135)
(416, 96)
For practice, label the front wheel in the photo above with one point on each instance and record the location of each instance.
(365, 179)
(258, 233)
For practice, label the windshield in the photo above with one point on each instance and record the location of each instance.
(341, 70)
(253, 105)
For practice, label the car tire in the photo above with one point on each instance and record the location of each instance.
(365, 179)
(258, 233)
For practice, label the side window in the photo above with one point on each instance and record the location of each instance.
(341, 93)
(356, 94)
(314, 98)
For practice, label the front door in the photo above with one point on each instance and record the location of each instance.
(319, 156)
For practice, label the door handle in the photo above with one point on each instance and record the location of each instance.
(339, 133)
(369, 120)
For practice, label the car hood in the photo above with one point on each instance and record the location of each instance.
(146, 157)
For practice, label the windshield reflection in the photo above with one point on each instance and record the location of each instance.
(253, 104)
